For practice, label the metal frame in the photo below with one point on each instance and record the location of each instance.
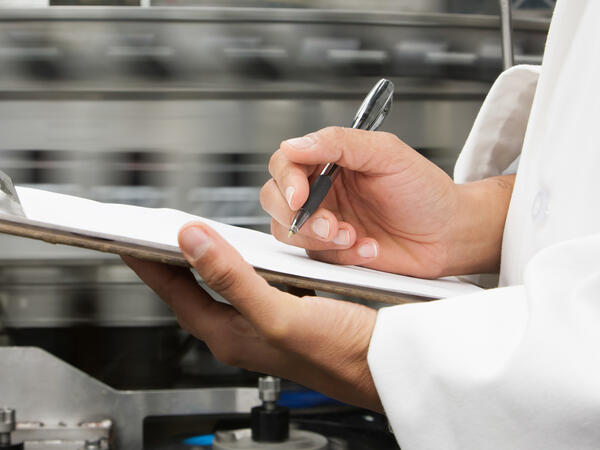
(44, 389)
(265, 15)
(508, 58)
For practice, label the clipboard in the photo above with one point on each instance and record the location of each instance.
(14, 222)
(22, 227)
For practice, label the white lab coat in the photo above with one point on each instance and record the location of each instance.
(517, 367)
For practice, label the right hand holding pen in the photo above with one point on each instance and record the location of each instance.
(390, 209)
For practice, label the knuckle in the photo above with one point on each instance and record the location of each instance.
(334, 138)
(222, 281)
(276, 230)
(391, 144)
(390, 138)
(328, 256)
(265, 193)
(184, 324)
(273, 162)
(227, 354)
(333, 133)
(277, 330)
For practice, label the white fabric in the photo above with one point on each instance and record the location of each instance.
(518, 367)
(556, 192)
(494, 144)
(496, 138)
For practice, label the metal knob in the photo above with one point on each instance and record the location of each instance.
(269, 389)
(270, 422)
(8, 424)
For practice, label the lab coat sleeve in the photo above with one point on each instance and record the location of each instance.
(496, 139)
(510, 368)
(494, 144)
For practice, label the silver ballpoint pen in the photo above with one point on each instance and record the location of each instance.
(369, 116)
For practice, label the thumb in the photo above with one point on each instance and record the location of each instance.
(224, 270)
(369, 152)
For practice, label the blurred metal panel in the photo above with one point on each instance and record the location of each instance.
(212, 126)
(71, 397)
(182, 107)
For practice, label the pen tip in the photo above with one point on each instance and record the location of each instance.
(290, 233)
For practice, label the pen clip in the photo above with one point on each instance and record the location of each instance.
(375, 107)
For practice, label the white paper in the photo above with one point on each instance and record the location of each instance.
(161, 226)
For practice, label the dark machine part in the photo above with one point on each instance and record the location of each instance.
(270, 422)
(270, 426)
(343, 427)
(8, 424)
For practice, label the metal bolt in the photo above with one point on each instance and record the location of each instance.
(8, 423)
(269, 390)
(93, 445)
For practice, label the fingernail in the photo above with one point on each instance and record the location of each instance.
(289, 195)
(302, 143)
(195, 242)
(368, 250)
(342, 238)
(321, 228)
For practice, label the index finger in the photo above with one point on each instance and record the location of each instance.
(291, 179)
(369, 152)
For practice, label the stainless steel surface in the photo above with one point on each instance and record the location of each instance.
(242, 440)
(508, 59)
(45, 389)
(66, 436)
(23, 4)
(368, 16)
(182, 107)
(49, 293)
(379, 5)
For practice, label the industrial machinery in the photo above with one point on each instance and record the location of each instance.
(167, 104)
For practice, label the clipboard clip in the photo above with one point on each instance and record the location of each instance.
(9, 199)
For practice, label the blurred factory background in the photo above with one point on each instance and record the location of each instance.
(180, 103)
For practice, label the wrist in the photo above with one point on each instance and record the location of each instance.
(341, 372)
(477, 229)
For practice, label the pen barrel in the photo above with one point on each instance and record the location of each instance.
(318, 192)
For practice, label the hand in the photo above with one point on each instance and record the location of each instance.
(390, 209)
(318, 342)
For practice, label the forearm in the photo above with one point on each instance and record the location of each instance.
(476, 232)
